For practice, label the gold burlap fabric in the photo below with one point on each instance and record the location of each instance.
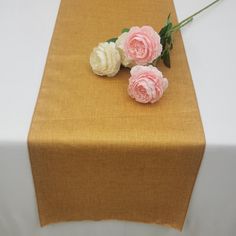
(96, 153)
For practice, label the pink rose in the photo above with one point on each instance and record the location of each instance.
(146, 84)
(142, 45)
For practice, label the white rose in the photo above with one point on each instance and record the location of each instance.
(105, 59)
(120, 45)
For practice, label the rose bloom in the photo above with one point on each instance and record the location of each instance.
(142, 45)
(146, 84)
(105, 59)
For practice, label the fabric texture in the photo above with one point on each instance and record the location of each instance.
(97, 154)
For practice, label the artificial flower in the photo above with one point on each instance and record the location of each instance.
(146, 84)
(140, 48)
(105, 59)
(142, 45)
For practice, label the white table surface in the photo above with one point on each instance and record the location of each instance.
(26, 28)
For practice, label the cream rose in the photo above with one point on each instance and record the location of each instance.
(125, 61)
(105, 59)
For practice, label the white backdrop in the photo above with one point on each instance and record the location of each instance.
(26, 27)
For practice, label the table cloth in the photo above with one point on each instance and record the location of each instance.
(26, 29)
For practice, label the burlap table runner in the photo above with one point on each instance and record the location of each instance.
(97, 154)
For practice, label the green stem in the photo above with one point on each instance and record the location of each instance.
(190, 18)
(173, 29)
